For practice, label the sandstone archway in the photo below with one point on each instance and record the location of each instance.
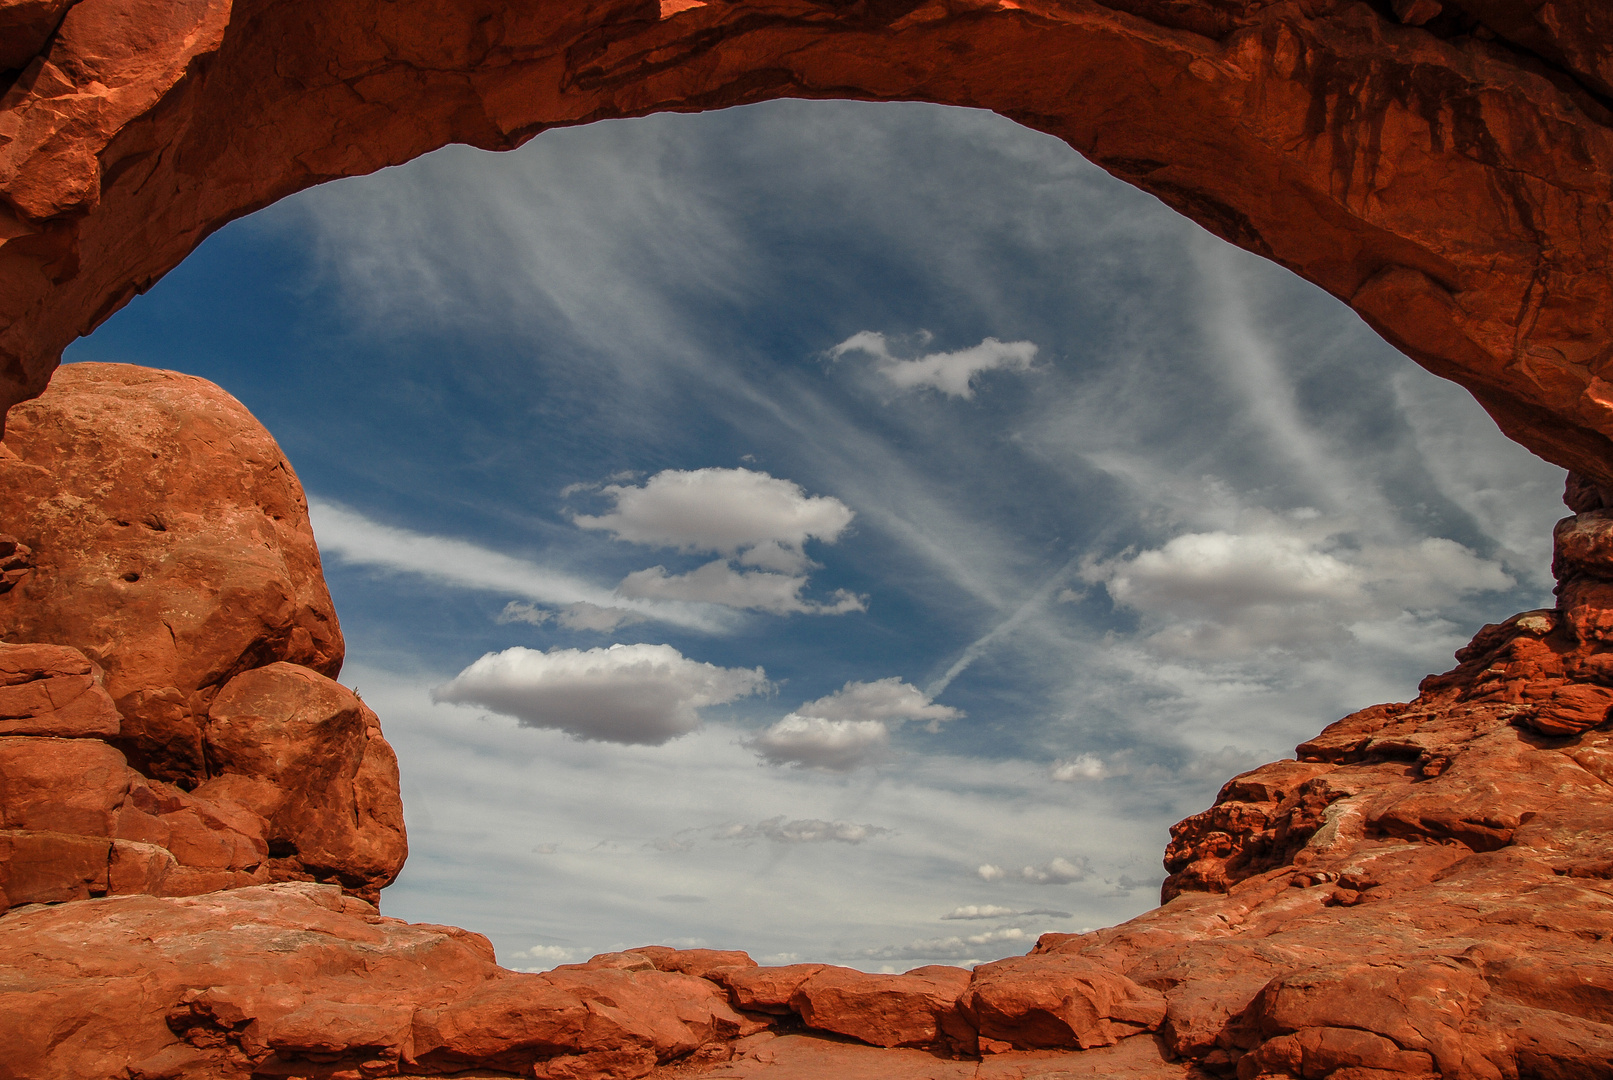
(1425, 891)
(1444, 168)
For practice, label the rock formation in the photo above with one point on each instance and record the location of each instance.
(1426, 891)
(170, 725)
(1444, 166)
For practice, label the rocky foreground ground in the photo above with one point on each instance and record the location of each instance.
(195, 820)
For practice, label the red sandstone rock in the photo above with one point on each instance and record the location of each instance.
(305, 753)
(296, 979)
(1058, 1001)
(1424, 894)
(184, 558)
(703, 963)
(884, 1010)
(53, 690)
(768, 990)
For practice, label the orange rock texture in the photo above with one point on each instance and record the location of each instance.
(170, 726)
(1444, 166)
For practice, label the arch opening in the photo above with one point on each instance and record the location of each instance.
(1186, 534)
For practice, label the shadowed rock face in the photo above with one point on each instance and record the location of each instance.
(1444, 166)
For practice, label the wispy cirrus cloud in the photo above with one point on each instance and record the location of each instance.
(348, 536)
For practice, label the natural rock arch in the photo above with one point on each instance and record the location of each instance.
(1451, 180)
(1424, 891)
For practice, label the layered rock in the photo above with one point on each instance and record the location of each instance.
(1444, 166)
(159, 733)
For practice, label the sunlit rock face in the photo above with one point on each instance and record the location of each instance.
(1442, 165)
(168, 723)
(169, 541)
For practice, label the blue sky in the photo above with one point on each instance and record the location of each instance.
(966, 517)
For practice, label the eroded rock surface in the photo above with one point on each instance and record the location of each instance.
(155, 735)
(1444, 166)
(169, 542)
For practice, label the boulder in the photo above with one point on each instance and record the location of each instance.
(767, 989)
(1058, 1001)
(307, 755)
(885, 1010)
(170, 544)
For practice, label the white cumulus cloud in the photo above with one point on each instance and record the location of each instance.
(542, 957)
(958, 947)
(1289, 582)
(718, 582)
(816, 743)
(993, 911)
(952, 373)
(746, 517)
(1059, 871)
(760, 519)
(849, 727)
(643, 694)
(1085, 767)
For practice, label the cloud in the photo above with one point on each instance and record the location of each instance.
(578, 616)
(849, 727)
(992, 911)
(641, 694)
(719, 583)
(760, 519)
(1059, 871)
(547, 956)
(815, 743)
(744, 516)
(1287, 582)
(889, 700)
(1085, 767)
(951, 948)
(350, 537)
(952, 373)
(802, 831)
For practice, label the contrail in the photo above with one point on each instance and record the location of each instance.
(1020, 614)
